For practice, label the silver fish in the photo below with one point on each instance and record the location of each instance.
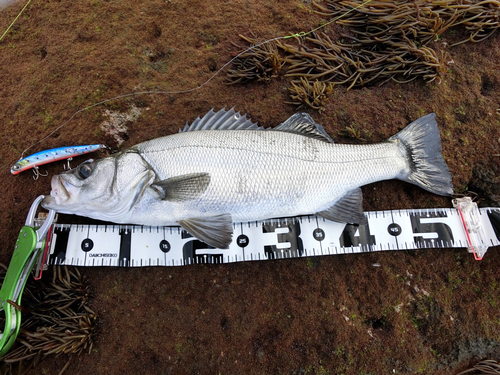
(223, 169)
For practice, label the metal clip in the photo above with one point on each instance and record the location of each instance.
(27, 249)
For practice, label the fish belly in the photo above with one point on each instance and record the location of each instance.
(262, 174)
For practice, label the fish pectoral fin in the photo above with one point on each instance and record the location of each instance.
(303, 124)
(216, 231)
(348, 209)
(182, 188)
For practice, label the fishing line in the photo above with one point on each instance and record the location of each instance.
(15, 19)
(299, 34)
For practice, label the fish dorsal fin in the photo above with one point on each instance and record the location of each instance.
(182, 188)
(222, 120)
(348, 209)
(303, 124)
(215, 231)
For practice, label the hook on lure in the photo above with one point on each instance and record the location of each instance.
(49, 156)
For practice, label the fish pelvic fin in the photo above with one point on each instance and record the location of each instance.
(216, 231)
(348, 209)
(423, 147)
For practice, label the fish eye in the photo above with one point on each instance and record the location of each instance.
(85, 169)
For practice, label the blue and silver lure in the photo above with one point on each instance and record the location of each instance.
(54, 154)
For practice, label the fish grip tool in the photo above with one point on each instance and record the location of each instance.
(29, 245)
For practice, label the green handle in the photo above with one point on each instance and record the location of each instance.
(28, 246)
(20, 266)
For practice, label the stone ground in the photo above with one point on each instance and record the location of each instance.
(426, 311)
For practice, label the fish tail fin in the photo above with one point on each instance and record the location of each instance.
(426, 164)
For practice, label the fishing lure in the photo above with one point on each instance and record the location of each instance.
(49, 156)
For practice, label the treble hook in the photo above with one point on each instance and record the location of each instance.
(37, 173)
(69, 166)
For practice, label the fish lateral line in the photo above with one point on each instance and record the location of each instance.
(53, 155)
(205, 190)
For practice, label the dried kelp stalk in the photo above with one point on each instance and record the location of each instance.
(56, 320)
(313, 95)
(422, 20)
(260, 63)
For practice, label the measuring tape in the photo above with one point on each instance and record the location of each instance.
(304, 236)
(137, 246)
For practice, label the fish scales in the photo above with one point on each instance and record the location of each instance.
(223, 169)
(262, 174)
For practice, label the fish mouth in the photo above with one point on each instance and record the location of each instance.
(59, 193)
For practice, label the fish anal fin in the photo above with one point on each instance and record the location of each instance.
(348, 209)
(303, 124)
(182, 188)
(216, 231)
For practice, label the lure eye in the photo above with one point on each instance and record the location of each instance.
(85, 169)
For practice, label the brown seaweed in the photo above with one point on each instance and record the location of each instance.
(386, 40)
(56, 320)
(314, 94)
(352, 132)
(420, 20)
(262, 62)
(487, 366)
(341, 64)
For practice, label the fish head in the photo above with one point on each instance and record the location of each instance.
(81, 189)
(104, 189)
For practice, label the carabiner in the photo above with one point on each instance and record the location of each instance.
(28, 245)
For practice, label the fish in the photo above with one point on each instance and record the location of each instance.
(51, 155)
(224, 169)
